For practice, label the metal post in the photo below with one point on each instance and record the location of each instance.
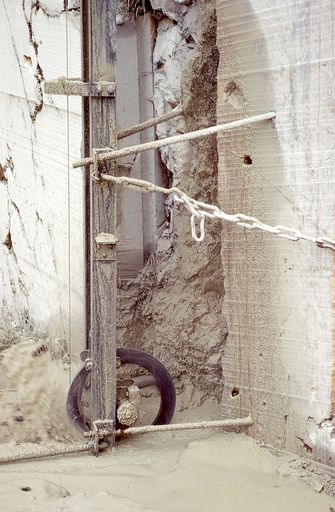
(101, 44)
(86, 150)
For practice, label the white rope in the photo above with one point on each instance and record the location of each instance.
(200, 210)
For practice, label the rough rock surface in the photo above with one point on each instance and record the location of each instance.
(173, 309)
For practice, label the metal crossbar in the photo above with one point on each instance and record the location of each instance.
(45, 453)
(178, 111)
(228, 424)
(110, 154)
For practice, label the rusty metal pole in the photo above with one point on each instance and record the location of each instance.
(97, 88)
(101, 45)
(86, 150)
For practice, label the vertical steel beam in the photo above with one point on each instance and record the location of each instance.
(86, 149)
(100, 42)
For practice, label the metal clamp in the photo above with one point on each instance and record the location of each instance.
(76, 87)
(101, 430)
(105, 244)
(96, 174)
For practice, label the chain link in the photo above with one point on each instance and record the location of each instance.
(201, 211)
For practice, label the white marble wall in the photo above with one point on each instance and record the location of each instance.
(279, 356)
(41, 197)
(34, 154)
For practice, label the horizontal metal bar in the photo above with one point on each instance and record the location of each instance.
(75, 87)
(144, 381)
(48, 452)
(178, 111)
(229, 424)
(212, 130)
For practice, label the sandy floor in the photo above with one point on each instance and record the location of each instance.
(170, 472)
(161, 472)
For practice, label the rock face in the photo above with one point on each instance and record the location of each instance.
(173, 309)
(279, 303)
(34, 217)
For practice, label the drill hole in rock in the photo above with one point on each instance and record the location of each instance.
(26, 489)
(235, 392)
(247, 160)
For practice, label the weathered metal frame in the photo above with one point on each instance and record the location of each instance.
(97, 87)
(102, 429)
(178, 111)
(99, 113)
(76, 87)
(101, 45)
(108, 153)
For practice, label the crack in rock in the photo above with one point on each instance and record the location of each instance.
(16, 53)
(54, 8)
(24, 232)
(2, 173)
(38, 75)
(8, 241)
(19, 275)
(9, 164)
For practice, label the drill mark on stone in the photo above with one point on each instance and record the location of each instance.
(8, 241)
(2, 174)
(234, 95)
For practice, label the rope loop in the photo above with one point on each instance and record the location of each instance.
(195, 237)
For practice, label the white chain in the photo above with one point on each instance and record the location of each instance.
(200, 210)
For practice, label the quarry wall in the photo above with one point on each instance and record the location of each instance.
(170, 288)
(243, 319)
(173, 309)
(34, 178)
(279, 356)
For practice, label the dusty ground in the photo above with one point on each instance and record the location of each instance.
(186, 471)
(161, 472)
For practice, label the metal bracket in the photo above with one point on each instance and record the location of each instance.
(96, 174)
(101, 430)
(75, 87)
(105, 245)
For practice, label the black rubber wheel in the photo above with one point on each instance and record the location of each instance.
(161, 375)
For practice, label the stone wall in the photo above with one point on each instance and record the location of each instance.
(174, 308)
(35, 224)
(279, 356)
